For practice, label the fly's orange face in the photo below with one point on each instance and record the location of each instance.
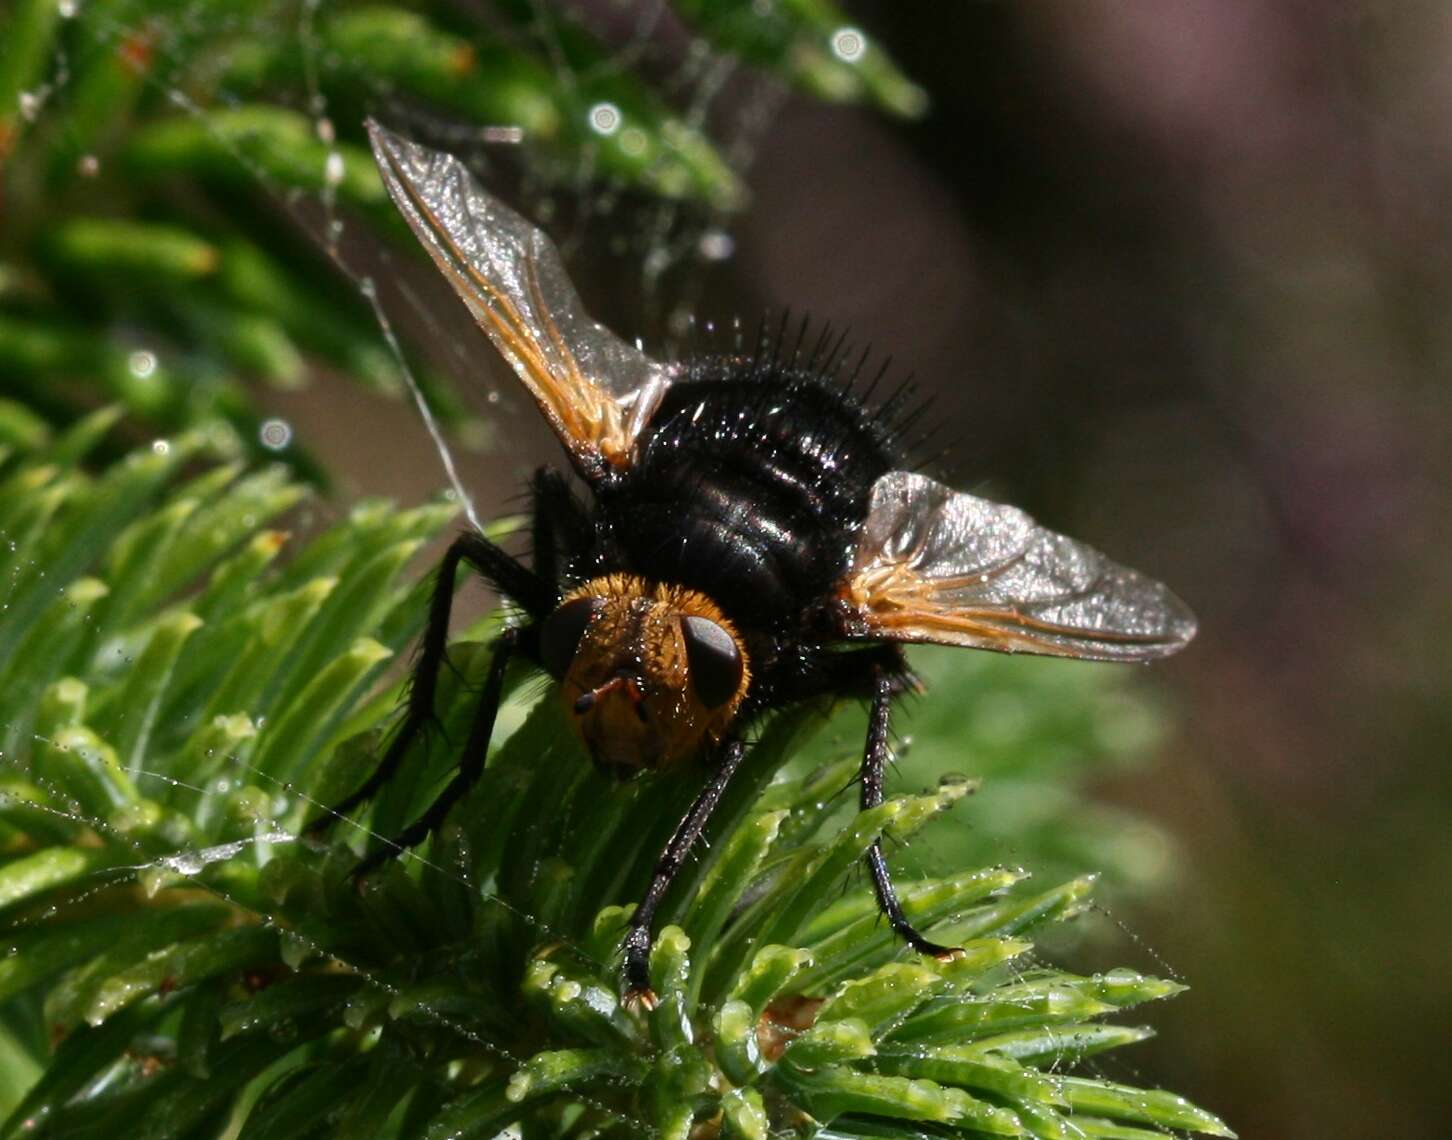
(650, 673)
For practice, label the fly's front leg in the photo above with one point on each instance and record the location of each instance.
(874, 762)
(561, 526)
(639, 938)
(532, 592)
(471, 766)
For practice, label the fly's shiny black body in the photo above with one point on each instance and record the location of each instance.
(747, 540)
(751, 485)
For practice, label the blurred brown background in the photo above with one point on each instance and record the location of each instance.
(1179, 272)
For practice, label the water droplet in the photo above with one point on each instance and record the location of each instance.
(141, 363)
(161, 447)
(88, 166)
(30, 104)
(184, 863)
(67, 8)
(633, 141)
(275, 434)
(716, 245)
(333, 168)
(604, 118)
(848, 44)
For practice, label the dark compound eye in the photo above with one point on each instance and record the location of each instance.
(714, 659)
(563, 629)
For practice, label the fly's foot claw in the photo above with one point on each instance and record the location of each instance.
(640, 999)
(931, 949)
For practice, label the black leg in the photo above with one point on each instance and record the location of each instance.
(470, 766)
(851, 673)
(506, 573)
(874, 760)
(561, 525)
(638, 938)
(532, 592)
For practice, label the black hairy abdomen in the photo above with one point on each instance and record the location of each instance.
(750, 486)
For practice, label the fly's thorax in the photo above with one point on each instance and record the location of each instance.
(650, 672)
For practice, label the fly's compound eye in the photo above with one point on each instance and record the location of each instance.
(561, 634)
(714, 659)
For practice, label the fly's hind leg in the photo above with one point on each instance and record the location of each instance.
(874, 761)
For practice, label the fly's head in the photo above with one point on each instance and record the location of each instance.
(649, 673)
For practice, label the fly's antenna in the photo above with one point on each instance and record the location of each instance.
(620, 681)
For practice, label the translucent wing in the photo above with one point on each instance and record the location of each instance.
(936, 565)
(596, 391)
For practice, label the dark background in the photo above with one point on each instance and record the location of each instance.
(1179, 273)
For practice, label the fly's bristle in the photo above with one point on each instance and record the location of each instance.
(891, 406)
(824, 335)
(876, 380)
(838, 356)
(776, 352)
(763, 339)
(857, 368)
(790, 347)
(916, 446)
(933, 461)
(829, 354)
(823, 353)
(902, 426)
(801, 337)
